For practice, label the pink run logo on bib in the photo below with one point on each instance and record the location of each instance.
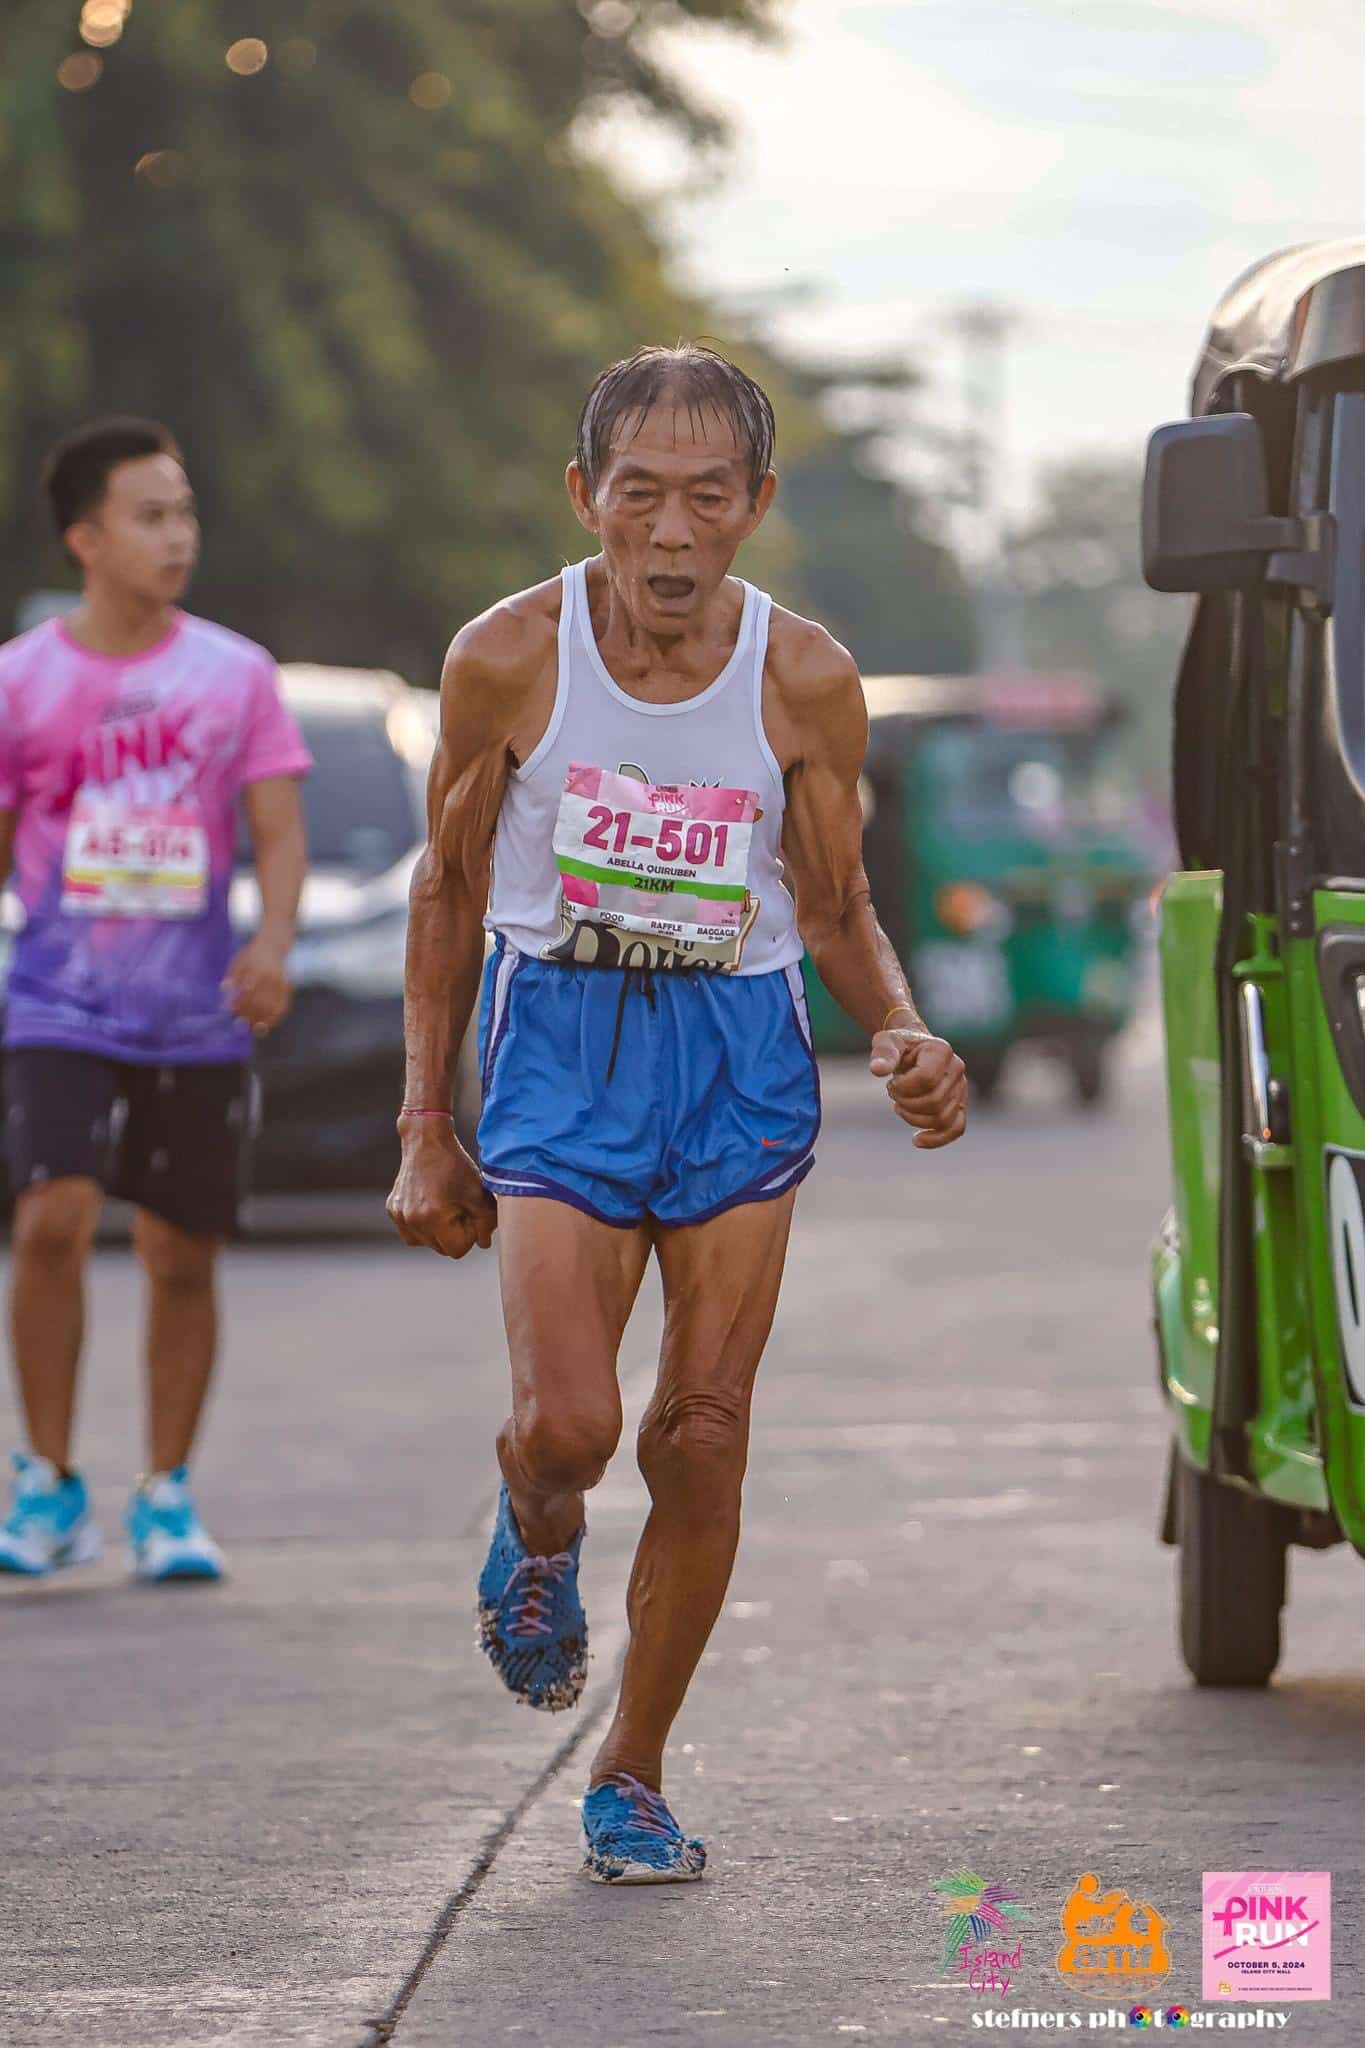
(1267, 1934)
(652, 874)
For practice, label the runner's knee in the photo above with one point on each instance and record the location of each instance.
(54, 1224)
(172, 1258)
(565, 1453)
(695, 1445)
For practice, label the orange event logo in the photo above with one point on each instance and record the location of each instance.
(1114, 1946)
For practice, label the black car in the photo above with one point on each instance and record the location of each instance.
(331, 1076)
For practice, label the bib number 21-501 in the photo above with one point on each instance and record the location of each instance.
(652, 874)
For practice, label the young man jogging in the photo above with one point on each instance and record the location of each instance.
(645, 748)
(128, 731)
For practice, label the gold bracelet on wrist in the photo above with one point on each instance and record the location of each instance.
(892, 1011)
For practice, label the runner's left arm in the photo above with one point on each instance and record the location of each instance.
(825, 719)
(8, 821)
(257, 982)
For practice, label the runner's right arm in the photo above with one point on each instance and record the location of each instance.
(493, 678)
(8, 821)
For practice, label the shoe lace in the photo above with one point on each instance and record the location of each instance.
(529, 1594)
(648, 1809)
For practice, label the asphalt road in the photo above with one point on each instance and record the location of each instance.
(298, 1809)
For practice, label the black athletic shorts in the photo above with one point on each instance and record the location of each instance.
(174, 1140)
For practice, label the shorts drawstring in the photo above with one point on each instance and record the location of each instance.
(641, 978)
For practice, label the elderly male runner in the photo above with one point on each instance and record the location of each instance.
(646, 748)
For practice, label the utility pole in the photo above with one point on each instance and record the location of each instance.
(984, 328)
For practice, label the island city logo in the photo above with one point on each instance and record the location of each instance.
(1113, 1945)
(976, 1941)
(1267, 1934)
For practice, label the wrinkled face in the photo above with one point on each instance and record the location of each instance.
(671, 508)
(143, 537)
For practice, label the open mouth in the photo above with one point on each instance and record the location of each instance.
(672, 587)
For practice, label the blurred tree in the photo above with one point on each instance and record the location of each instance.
(867, 553)
(362, 268)
(1082, 604)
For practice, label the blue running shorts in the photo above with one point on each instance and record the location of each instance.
(631, 1094)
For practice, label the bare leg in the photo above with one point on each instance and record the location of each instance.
(568, 1286)
(182, 1333)
(54, 1226)
(721, 1281)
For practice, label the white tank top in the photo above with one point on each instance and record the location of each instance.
(647, 835)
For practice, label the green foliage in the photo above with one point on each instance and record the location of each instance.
(370, 322)
(863, 555)
(874, 576)
(366, 285)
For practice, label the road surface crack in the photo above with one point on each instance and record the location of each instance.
(381, 2030)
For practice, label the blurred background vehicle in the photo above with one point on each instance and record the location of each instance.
(1007, 869)
(1255, 507)
(331, 1077)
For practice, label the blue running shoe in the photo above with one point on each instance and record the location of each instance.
(167, 1537)
(50, 1523)
(632, 1837)
(532, 1627)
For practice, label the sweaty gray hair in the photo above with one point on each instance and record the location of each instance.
(699, 379)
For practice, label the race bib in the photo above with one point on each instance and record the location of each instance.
(125, 860)
(652, 874)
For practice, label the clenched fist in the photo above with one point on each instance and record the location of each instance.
(438, 1199)
(927, 1083)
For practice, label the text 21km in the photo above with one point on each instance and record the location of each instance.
(699, 844)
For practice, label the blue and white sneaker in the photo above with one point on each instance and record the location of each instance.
(50, 1523)
(167, 1537)
(532, 1627)
(632, 1837)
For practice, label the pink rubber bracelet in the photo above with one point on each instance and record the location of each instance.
(407, 1111)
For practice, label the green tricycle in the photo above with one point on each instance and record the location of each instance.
(1004, 867)
(1256, 504)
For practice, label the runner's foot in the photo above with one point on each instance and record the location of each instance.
(532, 1627)
(632, 1837)
(168, 1539)
(50, 1524)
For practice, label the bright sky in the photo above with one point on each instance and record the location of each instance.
(1105, 167)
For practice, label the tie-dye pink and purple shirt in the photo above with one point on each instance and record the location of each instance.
(124, 774)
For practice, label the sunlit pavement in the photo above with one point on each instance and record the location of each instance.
(298, 1809)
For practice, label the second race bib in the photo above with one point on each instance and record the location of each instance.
(126, 860)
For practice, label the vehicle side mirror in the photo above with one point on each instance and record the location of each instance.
(1206, 521)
